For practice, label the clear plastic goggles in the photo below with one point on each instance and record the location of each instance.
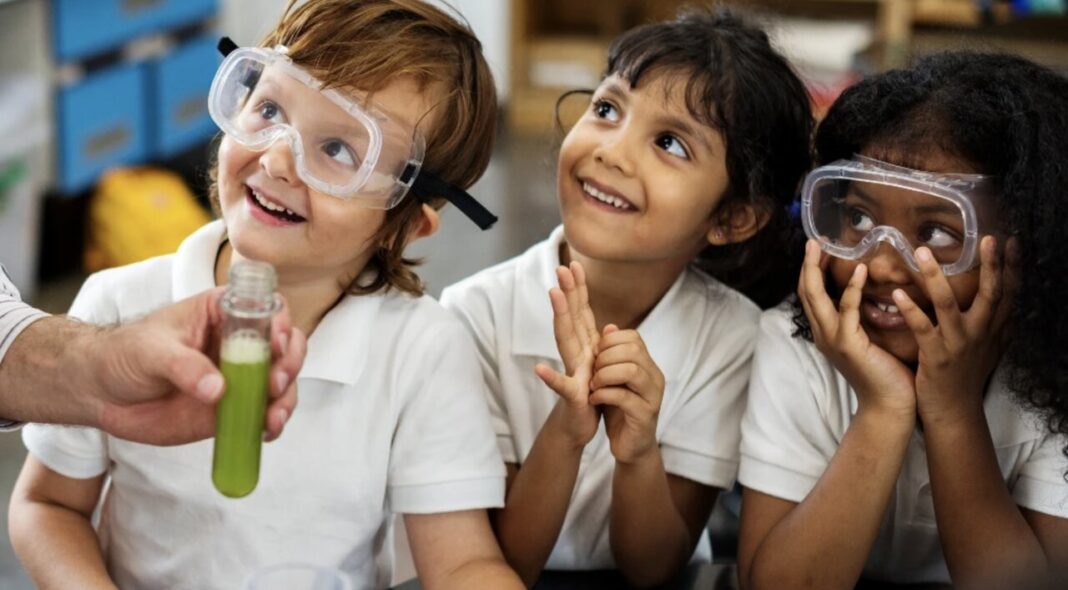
(852, 206)
(341, 147)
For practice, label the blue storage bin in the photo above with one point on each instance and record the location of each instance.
(180, 83)
(86, 27)
(102, 123)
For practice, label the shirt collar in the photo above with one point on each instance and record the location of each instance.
(666, 330)
(337, 350)
(194, 263)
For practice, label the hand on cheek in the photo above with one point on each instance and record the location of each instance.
(881, 381)
(958, 355)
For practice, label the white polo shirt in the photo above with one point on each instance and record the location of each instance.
(701, 334)
(390, 419)
(799, 409)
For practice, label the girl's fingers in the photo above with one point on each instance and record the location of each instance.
(624, 399)
(622, 352)
(1010, 284)
(567, 342)
(588, 322)
(923, 330)
(990, 287)
(570, 289)
(849, 307)
(629, 375)
(947, 311)
(558, 382)
(820, 307)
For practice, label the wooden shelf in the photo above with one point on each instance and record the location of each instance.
(563, 40)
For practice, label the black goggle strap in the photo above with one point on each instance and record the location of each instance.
(427, 186)
(252, 77)
(226, 46)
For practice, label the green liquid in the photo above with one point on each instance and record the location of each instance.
(239, 424)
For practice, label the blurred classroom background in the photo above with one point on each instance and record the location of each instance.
(105, 139)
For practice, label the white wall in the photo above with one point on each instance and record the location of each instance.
(246, 21)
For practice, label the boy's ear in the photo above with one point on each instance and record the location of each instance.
(735, 223)
(427, 225)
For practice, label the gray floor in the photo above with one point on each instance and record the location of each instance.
(519, 187)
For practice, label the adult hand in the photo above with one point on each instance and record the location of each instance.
(630, 387)
(576, 339)
(156, 379)
(881, 381)
(958, 354)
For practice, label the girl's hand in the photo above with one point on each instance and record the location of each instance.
(630, 387)
(881, 381)
(958, 355)
(576, 340)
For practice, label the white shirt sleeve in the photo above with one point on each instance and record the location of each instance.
(787, 442)
(444, 457)
(1041, 486)
(700, 440)
(475, 311)
(75, 452)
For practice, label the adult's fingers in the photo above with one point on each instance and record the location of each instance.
(284, 369)
(279, 412)
(185, 368)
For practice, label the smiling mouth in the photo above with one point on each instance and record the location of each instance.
(881, 315)
(603, 197)
(270, 208)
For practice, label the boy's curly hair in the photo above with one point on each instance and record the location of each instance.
(739, 85)
(367, 44)
(1009, 118)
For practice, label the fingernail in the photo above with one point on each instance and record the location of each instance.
(923, 254)
(898, 295)
(285, 416)
(281, 380)
(210, 387)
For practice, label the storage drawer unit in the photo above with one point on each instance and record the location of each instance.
(86, 27)
(102, 122)
(180, 82)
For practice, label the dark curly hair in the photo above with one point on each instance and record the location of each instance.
(1008, 117)
(740, 86)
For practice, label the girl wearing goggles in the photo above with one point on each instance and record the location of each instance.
(884, 437)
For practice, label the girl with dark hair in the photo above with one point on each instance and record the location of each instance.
(673, 187)
(884, 437)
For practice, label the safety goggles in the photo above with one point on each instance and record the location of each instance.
(852, 206)
(343, 147)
